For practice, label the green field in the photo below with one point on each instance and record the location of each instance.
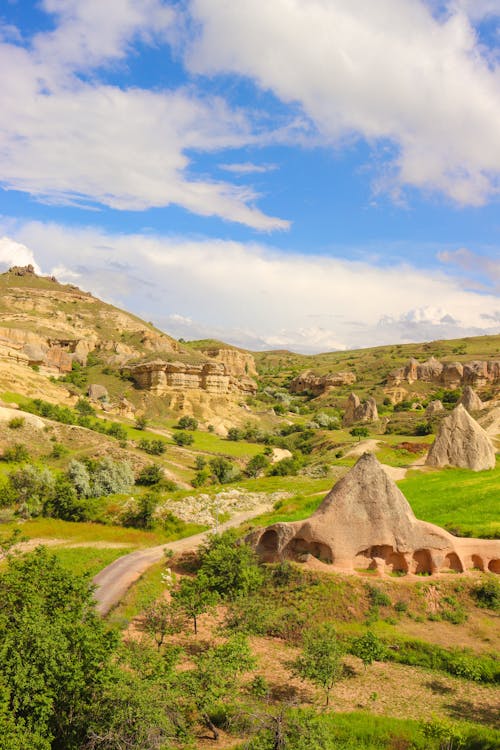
(462, 501)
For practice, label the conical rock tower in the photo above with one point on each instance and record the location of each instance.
(366, 522)
(462, 442)
(470, 400)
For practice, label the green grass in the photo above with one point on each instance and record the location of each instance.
(458, 499)
(210, 443)
(51, 528)
(88, 559)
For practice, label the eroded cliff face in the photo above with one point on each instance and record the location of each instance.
(160, 377)
(51, 325)
(236, 362)
(477, 373)
(356, 411)
(319, 384)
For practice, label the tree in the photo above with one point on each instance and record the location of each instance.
(199, 463)
(223, 470)
(321, 658)
(234, 434)
(16, 454)
(30, 488)
(163, 618)
(153, 447)
(214, 677)
(229, 566)
(150, 475)
(195, 597)
(54, 649)
(368, 648)
(79, 476)
(110, 477)
(359, 432)
(65, 503)
(187, 423)
(183, 438)
(84, 408)
(256, 465)
(141, 422)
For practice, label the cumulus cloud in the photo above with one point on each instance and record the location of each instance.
(389, 72)
(66, 137)
(14, 253)
(258, 296)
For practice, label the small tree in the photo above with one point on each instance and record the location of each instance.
(150, 475)
(368, 648)
(214, 677)
(256, 465)
(162, 619)
(194, 598)
(359, 432)
(187, 423)
(321, 658)
(183, 438)
(199, 463)
(229, 567)
(223, 470)
(141, 422)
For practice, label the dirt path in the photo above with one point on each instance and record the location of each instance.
(114, 581)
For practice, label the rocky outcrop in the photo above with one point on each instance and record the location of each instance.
(319, 384)
(97, 392)
(366, 522)
(236, 361)
(161, 377)
(462, 442)
(356, 411)
(434, 407)
(449, 374)
(470, 400)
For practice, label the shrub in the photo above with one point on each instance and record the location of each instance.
(222, 470)
(153, 447)
(378, 598)
(234, 434)
(58, 450)
(183, 438)
(149, 475)
(423, 428)
(141, 423)
(30, 488)
(487, 593)
(84, 408)
(187, 423)
(230, 568)
(117, 431)
(16, 454)
(285, 467)
(256, 465)
(16, 423)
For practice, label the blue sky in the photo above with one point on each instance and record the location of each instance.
(307, 174)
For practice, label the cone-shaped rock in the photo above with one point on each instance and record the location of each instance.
(434, 408)
(470, 400)
(366, 522)
(462, 442)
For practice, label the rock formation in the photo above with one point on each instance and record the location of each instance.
(161, 377)
(366, 522)
(97, 392)
(477, 373)
(470, 400)
(319, 384)
(236, 361)
(356, 411)
(462, 442)
(434, 407)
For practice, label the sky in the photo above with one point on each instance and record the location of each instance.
(301, 174)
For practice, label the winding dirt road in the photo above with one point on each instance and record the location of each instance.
(114, 581)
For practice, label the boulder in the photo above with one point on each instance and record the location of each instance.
(462, 442)
(470, 400)
(434, 407)
(97, 392)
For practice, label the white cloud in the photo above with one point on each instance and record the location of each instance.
(15, 254)
(475, 264)
(257, 296)
(71, 140)
(385, 71)
(248, 168)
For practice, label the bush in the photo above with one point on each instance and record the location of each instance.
(16, 423)
(150, 475)
(187, 423)
(141, 423)
(234, 434)
(183, 438)
(30, 488)
(58, 450)
(231, 568)
(423, 428)
(153, 447)
(117, 431)
(223, 471)
(285, 467)
(100, 478)
(359, 432)
(84, 408)
(487, 593)
(16, 454)
(256, 465)
(378, 598)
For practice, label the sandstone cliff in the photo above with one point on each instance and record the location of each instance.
(161, 377)
(319, 384)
